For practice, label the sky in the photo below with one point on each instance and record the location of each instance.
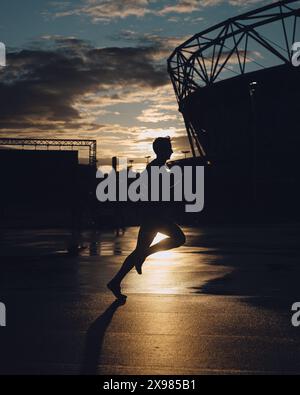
(97, 69)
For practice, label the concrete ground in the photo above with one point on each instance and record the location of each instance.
(219, 305)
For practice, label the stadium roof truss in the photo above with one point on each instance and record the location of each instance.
(90, 144)
(201, 60)
(256, 40)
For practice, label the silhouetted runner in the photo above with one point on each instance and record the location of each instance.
(155, 219)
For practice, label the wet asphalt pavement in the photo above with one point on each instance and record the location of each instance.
(220, 304)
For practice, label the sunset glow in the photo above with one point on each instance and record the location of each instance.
(100, 71)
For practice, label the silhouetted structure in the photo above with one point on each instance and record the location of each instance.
(41, 185)
(61, 143)
(245, 133)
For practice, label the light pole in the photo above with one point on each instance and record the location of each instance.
(185, 153)
(147, 158)
(131, 163)
(253, 91)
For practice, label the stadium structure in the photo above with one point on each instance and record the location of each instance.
(239, 95)
(43, 179)
(61, 144)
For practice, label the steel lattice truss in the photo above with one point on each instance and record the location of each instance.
(91, 144)
(258, 39)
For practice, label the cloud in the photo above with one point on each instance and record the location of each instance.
(46, 87)
(62, 87)
(106, 10)
(162, 46)
(181, 7)
(153, 115)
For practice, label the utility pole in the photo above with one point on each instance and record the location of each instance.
(253, 92)
(185, 153)
(147, 158)
(131, 163)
